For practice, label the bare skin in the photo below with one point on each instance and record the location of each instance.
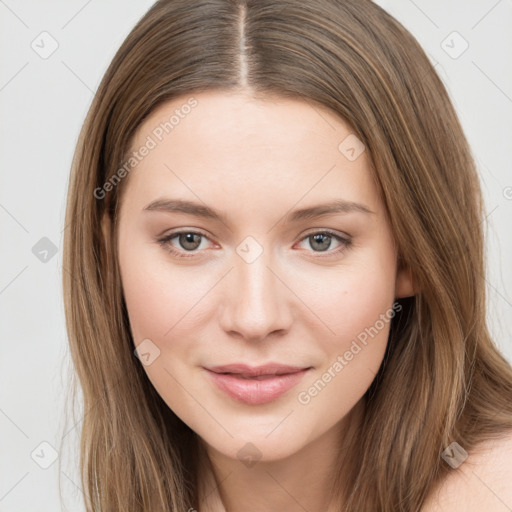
(294, 300)
(483, 482)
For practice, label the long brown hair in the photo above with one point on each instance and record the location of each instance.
(442, 379)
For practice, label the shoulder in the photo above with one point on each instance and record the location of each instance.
(482, 482)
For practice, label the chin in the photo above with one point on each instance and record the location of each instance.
(250, 450)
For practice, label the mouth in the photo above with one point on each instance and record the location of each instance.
(256, 377)
(266, 370)
(256, 385)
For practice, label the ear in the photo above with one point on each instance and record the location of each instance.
(404, 284)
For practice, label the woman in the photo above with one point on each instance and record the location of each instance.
(274, 271)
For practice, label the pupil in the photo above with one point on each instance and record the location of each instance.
(319, 238)
(189, 239)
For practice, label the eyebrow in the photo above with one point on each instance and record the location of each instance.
(311, 212)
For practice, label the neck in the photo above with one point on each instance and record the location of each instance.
(302, 481)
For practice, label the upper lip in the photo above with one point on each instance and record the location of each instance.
(255, 371)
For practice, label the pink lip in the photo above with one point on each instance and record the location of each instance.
(256, 385)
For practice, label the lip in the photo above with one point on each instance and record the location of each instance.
(258, 384)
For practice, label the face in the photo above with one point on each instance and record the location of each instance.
(231, 253)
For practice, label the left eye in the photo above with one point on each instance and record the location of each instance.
(323, 239)
(190, 242)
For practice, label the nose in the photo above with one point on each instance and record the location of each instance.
(258, 301)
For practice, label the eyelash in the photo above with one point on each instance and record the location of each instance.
(165, 243)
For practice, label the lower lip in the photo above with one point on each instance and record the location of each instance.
(254, 391)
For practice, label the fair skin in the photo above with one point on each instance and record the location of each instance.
(481, 483)
(280, 295)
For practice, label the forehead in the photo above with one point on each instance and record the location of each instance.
(228, 118)
(278, 149)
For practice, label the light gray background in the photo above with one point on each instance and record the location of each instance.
(44, 102)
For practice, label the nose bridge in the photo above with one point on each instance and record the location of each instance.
(256, 305)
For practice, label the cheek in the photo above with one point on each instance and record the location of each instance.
(148, 301)
(160, 303)
(356, 298)
(360, 314)
(358, 307)
(364, 302)
(161, 300)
